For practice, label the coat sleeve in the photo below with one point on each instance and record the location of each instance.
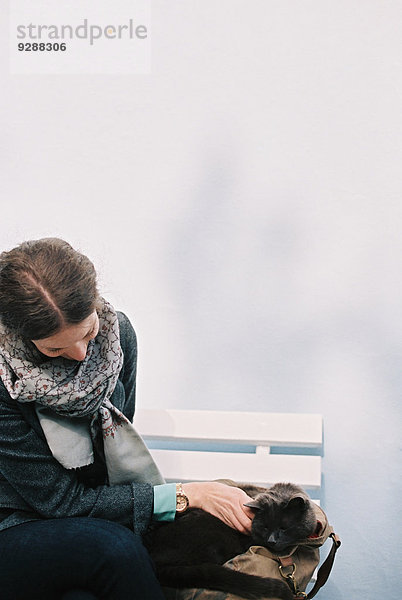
(128, 374)
(52, 491)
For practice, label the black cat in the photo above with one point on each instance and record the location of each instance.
(190, 551)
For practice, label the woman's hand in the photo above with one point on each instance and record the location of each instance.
(222, 501)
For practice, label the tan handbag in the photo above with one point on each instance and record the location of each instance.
(296, 567)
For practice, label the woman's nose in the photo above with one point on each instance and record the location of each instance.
(77, 352)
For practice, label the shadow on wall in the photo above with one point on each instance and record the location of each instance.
(265, 290)
(235, 274)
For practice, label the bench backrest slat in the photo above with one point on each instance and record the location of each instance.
(255, 428)
(251, 468)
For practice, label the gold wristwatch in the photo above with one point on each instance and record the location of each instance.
(182, 502)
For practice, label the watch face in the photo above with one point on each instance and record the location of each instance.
(181, 502)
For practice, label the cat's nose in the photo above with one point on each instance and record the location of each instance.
(272, 539)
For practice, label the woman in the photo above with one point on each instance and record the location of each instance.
(77, 486)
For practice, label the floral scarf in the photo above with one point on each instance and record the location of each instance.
(73, 401)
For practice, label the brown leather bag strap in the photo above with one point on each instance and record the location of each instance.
(325, 569)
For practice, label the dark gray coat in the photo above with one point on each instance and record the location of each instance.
(34, 485)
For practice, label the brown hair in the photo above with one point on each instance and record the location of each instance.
(45, 285)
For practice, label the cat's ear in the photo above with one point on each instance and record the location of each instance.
(253, 504)
(297, 503)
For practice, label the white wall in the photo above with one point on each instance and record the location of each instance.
(243, 207)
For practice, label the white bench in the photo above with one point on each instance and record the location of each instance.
(253, 447)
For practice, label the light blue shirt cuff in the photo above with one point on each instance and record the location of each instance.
(164, 502)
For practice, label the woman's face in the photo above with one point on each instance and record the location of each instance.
(71, 342)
